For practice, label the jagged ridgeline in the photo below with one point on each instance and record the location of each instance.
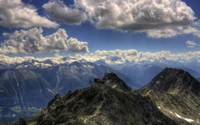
(109, 101)
(177, 94)
(171, 98)
(25, 89)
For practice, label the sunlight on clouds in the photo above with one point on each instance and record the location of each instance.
(159, 19)
(33, 41)
(114, 57)
(133, 56)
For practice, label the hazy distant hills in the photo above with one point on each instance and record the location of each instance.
(107, 101)
(177, 94)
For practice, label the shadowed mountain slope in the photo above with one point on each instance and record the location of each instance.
(109, 101)
(177, 94)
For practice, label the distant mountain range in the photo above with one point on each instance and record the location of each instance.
(143, 74)
(24, 90)
(27, 87)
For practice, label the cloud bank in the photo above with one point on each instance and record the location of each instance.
(57, 10)
(32, 41)
(14, 13)
(115, 57)
(133, 56)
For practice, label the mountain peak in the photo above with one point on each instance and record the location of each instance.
(112, 80)
(102, 104)
(174, 79)
(177, 94)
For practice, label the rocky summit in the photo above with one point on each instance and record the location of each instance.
(177, 94)
(108, 101)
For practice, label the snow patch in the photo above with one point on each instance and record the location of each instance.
(178, 116)
(186, 119)
(159, 107)
(114, 86)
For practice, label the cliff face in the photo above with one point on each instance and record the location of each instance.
(177, 94)
(107, 101)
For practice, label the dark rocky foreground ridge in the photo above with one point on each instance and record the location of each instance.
(25, 89)
(177, 94)
(171, 98)
(107, 102)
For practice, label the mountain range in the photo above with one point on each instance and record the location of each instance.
(107, 101)
(143, 74)
(171, 98)
(177, 94)
(27, 87)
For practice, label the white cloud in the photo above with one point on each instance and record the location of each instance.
(157, 18)
(14, 13)
(191, 44)
(57, 10)
(172, 32)
(137, 14)
(133, 56)
(114, 57)
(166, 33)
(32, 41)
(76, 46)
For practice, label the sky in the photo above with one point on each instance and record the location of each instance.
(108, 30)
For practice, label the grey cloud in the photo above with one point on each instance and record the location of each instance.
(14, 13)
(75, 46)
(57, 10)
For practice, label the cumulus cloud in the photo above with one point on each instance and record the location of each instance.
(191, 44)
(33, 41)
(157, 18)
(137, 14)
(57, 10)
(14, 13)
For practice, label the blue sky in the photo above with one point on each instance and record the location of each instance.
(111, 37)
